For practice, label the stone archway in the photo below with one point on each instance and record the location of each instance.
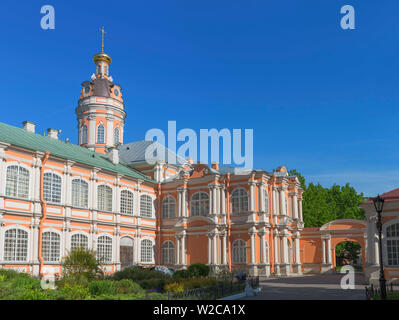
(341, 231)
(348, 253)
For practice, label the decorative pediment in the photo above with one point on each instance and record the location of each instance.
(200, 170)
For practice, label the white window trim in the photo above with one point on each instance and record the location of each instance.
(162, 204)
(30, 186)
(384, 242)
(112, 196)
(62, 186)
(153, 250)
(152, 205)
(88, 191)
(2, 243)
(50, 229)
(191, 201)
(231, 201)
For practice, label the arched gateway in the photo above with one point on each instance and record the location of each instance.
(318, 244)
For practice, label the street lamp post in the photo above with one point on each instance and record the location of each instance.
(379, 205)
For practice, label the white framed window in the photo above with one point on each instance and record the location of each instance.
(199, 204)
(116, 136)
(146, 251)
(392, 233)
(80, 193)
(145, 206)
(84, 134)
(168, 253)
(127, 202)
(51, 246)
(17, 182)
(239, 251)
(239, 201)
(15, 245)
(79, 240)
(100, 134)
(104, 249)
(104, 198)
(52, 187)
(168, 208)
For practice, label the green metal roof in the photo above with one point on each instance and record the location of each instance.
(22, 138)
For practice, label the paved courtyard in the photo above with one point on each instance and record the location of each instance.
(310, 287)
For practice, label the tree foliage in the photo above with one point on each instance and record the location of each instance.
(347, 252)
(321, 205)
(80, 263)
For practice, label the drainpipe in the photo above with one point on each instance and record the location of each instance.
(44, 210)
(228, 219)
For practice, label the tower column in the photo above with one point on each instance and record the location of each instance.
(92, 130)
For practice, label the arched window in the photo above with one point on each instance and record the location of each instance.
(168, 253)
(52, 187)
(146, 251)
(146, 206)
(100, 134)
(168, 208)
(127, 202)
(104, 249)
(239, 201)
(84, 134)
(79, 241)
(51, 244)
(239, 251)
(104, 198)
(199, 204)
(80, 193)
(116, 136)
(393, 244)
(17, 182)
(15, 245)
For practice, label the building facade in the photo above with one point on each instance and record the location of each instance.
(103, 195)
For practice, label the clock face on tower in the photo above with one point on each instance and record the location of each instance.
(116, 92)
(87, 89)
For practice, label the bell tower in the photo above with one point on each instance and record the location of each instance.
(100, 112)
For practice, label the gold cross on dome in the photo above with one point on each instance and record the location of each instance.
(102, 39)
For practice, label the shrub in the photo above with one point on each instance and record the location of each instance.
(198, 283)
(81, 262)
(26, 282)
(174, 287)
(181, 274)
(75, 292)
(74, 279)
(157, 284)
(9, 274)
(198, 270)
(126, 286)
(102, 287)
(138, 274)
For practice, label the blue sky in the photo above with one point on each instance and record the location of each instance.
(320, 99)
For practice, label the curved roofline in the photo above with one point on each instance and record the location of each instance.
(342, 221)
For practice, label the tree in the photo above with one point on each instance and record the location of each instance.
(347, 252)
(80, 262)
(321, 205)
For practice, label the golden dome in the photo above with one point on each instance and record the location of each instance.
(102, 56)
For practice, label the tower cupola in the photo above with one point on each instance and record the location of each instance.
(100, 110)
